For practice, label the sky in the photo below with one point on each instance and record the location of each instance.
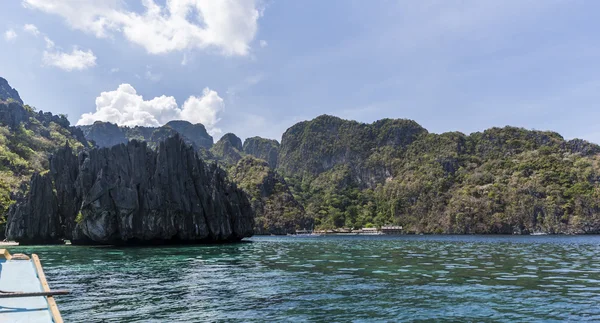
(256, 67)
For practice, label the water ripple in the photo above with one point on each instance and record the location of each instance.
(325, 279)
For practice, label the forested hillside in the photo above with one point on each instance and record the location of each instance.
(502, 180)
(27, 137)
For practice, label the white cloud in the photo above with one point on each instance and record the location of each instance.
(32, 29)
(114, 70)
(10, 35)
(76, 60)
(126, 107)
(205, 110)
(178, 25)
(263, 43)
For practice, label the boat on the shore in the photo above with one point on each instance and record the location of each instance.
(24, 292)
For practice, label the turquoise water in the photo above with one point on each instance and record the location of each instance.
(327, 279)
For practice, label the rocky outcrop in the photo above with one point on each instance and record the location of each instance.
(104, 134)
(196, 133)
(319, 145)
(64, 169)
(580, 146)
(266, 149)
(131, 194)
(161, 134)
(276, 209)
(35, 219)
(12, 114)
(228, 150)
(7, 93)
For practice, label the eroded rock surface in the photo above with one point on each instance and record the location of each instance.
(130, 194)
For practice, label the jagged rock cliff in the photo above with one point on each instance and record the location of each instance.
(35, 219)
(266, 149)
(319, 145)
(104, 134)
(277, 212)
(107, 134)
(196, 133)
(130, 193)
(7, 93)
(228, 149)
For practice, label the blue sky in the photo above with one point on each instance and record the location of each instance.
(258, 67)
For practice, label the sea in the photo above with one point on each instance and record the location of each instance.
(433, 278)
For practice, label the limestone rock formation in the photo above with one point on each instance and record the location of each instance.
(266, 149)
(7, 93)
(104, 134)
(196, 133)
(326, 142)
(228, 149)
(35, 219)
(276, 209)
(12, 114)
(131, 194)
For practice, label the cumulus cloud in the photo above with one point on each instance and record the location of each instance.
(126, 107)
(75, 60)
(263, 43)
(178, 25)
(32, 29)
(10, 35)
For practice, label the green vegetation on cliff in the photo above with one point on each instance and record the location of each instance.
(503, 180)
(277, 212)
(265, 149)
(228, 150)
(27, 138)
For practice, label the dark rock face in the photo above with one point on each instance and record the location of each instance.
(228, 149)
(104, 134)
(7, 93)
(12, 114)
(131, 194)
(162, 133)
(196, 133)
(35, 219)
(266, 149)
(233, 140)
(64, 169)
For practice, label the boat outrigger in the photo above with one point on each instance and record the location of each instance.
(24, 292)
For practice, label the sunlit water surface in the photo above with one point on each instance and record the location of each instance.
(327, 279)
